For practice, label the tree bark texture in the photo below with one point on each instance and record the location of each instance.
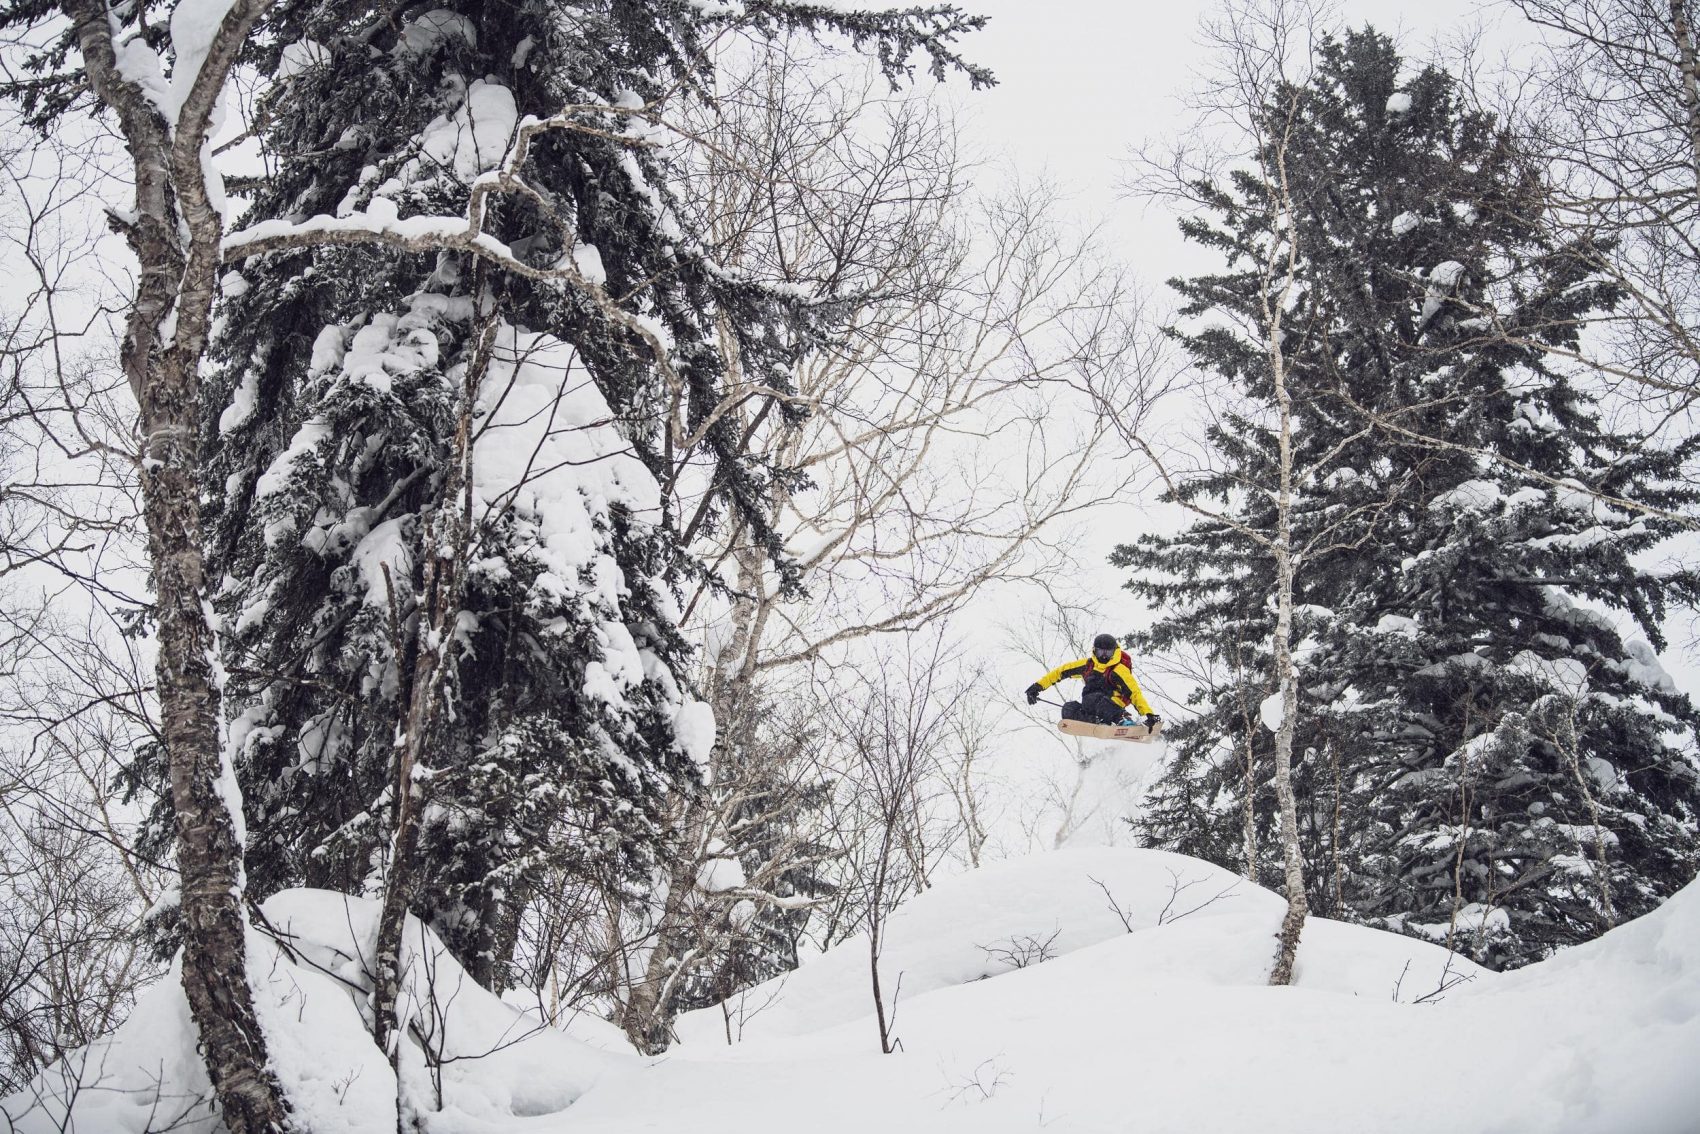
(648, 1011)
(650, 1006)
(448, 532)
(1684, 36)
(1292, 923)
(175, 235)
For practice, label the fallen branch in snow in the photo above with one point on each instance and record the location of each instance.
(1165, 916)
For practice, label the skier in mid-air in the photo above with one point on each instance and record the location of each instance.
(1111, 694)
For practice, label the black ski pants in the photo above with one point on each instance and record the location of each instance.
(1094, 707)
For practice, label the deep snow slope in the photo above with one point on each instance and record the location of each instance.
(1150, 1015)
(988, 922)
(1170, 1027)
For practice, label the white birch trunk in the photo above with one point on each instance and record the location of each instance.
(1282, 550)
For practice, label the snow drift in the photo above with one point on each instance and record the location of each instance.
(496, 1065)
(1217, 928)
(1083, 990)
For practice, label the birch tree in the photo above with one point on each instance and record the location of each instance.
(1265, 53)
(175, 230)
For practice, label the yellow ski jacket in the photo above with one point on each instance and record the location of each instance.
(1123, 689)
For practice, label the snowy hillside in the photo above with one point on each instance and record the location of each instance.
(1151, 1013)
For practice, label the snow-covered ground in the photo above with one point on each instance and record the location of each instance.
(1081, 990)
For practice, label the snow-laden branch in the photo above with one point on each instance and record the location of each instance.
(379, 225)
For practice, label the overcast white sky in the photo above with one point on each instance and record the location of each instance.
(1079, 80)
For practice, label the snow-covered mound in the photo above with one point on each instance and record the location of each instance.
(496, 1064)
(1149, 1012)
(1194, 922)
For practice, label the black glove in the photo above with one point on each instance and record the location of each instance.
(1152, 720)
(1033, 692)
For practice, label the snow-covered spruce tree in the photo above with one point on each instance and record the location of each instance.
(1489, 758)
(434, 459)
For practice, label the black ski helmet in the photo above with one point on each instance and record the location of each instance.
(1104, 643)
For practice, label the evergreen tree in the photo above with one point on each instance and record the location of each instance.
(1489, 758)
(352, 378)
